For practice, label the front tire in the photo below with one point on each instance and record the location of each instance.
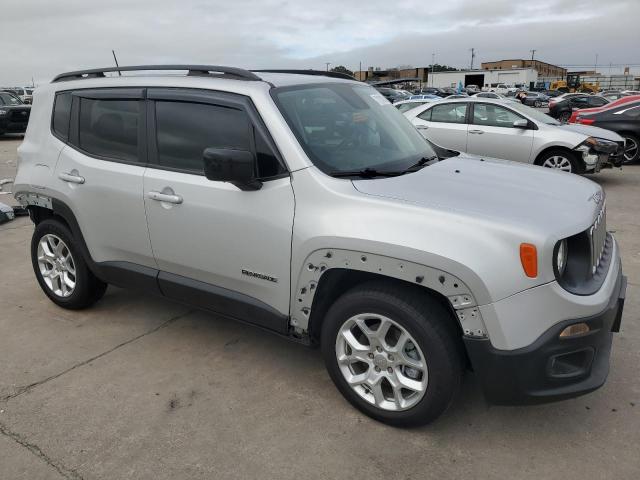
(631, 148)
(560, 160)
(60, 268)
(393, 353)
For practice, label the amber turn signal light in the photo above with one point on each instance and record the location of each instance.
(529, 259)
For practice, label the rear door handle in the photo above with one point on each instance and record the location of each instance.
(165, 197)
(476, 132)
(69, 177)
(422, 127)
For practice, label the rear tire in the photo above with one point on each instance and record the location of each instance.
(631, 148)
(407, 383)
(60, 268)
(559, 159)
(564, 117)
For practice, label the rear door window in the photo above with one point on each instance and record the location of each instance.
(449, 113)
(110, 128)
(494, 116)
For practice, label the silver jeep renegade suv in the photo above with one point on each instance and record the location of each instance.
(306, 204)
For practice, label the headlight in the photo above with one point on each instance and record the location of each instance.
(3, 112)
(561, 258)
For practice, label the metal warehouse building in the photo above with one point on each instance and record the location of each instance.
(484, 78)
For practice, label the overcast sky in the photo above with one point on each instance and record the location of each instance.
(40, 38)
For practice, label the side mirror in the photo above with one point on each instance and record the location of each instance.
(234, 166)
(521, 124)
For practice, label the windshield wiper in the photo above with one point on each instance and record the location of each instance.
(366, 173)
(421, 163)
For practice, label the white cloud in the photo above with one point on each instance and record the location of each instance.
(41, 38)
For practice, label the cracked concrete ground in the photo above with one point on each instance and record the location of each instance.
(139, 387)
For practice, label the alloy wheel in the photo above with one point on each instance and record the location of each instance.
(559, 162)
(630, 149)
(56, 265)
(381, 362)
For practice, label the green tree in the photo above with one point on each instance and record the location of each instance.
(342, 69)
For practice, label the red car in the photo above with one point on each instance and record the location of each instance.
(615, 103)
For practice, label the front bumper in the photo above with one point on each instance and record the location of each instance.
(552, 368)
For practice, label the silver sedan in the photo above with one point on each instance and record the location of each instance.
(512, 131)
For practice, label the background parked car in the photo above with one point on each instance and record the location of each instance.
(613, 95)
(392, 94)
(405, 105)
(614, 103)
(493, 95)
(623, 119)
(561, 107)
(441, 92)
(24, 93)
(536, 99)
(14, 115)
(513, 131)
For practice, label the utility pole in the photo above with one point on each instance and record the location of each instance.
(595, 67)
(360, 72)
(473, 55)
(433, 62)
(533, 53)
(327, 64)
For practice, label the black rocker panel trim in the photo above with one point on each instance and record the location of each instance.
(223, 301)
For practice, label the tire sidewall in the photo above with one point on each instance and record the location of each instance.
(637, 142)
(443, 375)
(84, 280)
(568, 155)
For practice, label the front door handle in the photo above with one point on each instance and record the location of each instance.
(422, 127)
(476, 132)
(165, 197)
(72, 177)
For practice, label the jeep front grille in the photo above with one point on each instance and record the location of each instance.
(598, 237)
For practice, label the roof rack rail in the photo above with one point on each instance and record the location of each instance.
(319, 73)
(193, 70)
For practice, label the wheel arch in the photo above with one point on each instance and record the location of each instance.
(328, 273)
(43, 208)
(551, 148)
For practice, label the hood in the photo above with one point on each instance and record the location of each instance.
(592, 131)
(508, 194)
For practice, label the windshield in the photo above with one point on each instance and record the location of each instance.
(533, 113)
(9, 99)
(344, 127)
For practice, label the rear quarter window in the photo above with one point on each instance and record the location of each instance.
(62, 115)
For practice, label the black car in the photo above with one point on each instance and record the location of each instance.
(624, 120)
(561, 107)
(441, 92)
(392, 94)
(14, 115)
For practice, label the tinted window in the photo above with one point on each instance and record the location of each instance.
(579, 101)
(109, 128)
(8, 99)
(62, 115)
(449, 113)
(184, 130)
(493, 116)
(597, 101)
(426, 115)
